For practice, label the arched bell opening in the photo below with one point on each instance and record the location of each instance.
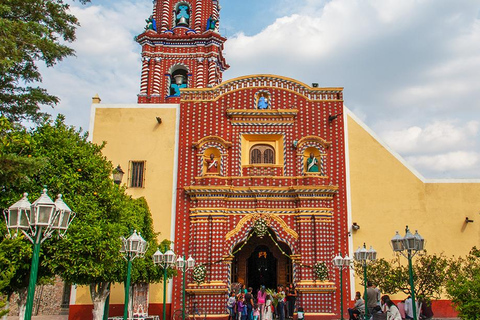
(182, 14)
(262, 261)
(178, 80)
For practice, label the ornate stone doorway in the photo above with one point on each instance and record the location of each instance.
(262, 268)
(261, 262)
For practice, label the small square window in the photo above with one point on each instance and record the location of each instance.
(137, 174)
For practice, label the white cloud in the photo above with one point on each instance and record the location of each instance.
(439, 136)
(452, 161)
(408, 66)
(107, 59)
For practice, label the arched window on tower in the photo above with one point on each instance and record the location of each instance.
(262, 154)
(182, 14)
(178, 80)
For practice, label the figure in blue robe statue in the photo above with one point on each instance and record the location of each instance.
(211, 23)
(262, 103)
(175, 89)
(151, 24)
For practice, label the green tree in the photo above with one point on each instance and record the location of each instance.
(15, 163)
(382, 273)
(31, 31)
(428, 275)
(392, 276)
(90, 254)
(5, 276)
(72, 166)
(463, 285)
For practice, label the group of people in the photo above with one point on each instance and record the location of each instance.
(383, 305)
(244, 305)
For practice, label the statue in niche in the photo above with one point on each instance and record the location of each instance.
(312, 164)
(151, 24)
(211, 23)
(262, 102)
(183, 17)
(176, 85)
(212, 164)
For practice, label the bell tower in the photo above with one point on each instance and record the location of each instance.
(181, 47)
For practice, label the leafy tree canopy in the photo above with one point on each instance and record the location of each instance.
(463, 285)
(16, 259)
(15, 162)
(393, 277)
(5, 277)
(31, 31)
(76, 168)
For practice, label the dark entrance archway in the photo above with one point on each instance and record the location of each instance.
(262, 268)
(261, 262)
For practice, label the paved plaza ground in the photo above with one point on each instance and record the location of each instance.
(65, 317)
(61, 317)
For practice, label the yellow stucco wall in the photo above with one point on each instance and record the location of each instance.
(386, 196)
(448, 204)
(133, 133)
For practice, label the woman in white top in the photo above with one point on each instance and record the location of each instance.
(392, 311)
(267, 309)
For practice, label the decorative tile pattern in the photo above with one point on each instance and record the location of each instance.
(314, 207)
(309, 210)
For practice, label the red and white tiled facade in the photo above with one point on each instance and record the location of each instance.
(215, 212)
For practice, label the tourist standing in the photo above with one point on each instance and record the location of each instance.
(256, 312)
(261, 297)
(291, 298)
(408, 308)
(242, 308)
(373, 297)
(281, 303)
(231, 306)
(249, 303)
(426, 312)
(243, 289)
(267, 309)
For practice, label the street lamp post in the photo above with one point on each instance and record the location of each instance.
(165, 260)
(184, 266)
(37, 222)
(363, 256)
(132, 247)
(341, 262)
(411, 245)
(118, 175)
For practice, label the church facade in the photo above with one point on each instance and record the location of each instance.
(262, 179)
(261, 197)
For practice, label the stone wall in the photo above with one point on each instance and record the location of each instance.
(48, 300)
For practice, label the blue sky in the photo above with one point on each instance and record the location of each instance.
(410, 68)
